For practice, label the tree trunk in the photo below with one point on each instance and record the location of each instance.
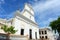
(8, 36)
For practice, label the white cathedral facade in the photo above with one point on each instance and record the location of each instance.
(24, 22)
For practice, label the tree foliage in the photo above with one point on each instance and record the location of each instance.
(7, 29)
(55, 25)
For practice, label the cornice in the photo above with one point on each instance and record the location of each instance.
(27, 9)
(19, 18)
(28, 6)
(28, 12)
(23, 17)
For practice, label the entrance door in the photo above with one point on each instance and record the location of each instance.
(22, 31)
(36, 35)
(30, 32)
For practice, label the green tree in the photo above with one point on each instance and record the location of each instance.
(8, 30)
(55, 25)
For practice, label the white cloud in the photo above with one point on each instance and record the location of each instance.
(47, 22)
(46, 5)
(47, 11)
(1, 8)
(2, 2)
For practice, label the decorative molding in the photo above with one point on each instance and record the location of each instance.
(28, 12)
(25, 21)
(23, 17)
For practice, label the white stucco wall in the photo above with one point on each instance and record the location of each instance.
(18, 24)
(50, 35)
(29, 8)
(28, 12)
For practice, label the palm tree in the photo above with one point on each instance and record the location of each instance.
(8, 30)
(55, 25)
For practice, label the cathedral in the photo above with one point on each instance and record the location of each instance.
(24, 22)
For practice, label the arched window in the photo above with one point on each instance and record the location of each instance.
(46, 37)
(30, 33)
(45, 32)
(42, 36)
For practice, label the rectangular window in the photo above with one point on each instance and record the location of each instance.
(22, 31)
(42, 32)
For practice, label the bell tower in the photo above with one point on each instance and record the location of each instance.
(28, 12)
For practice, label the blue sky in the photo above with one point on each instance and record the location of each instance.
(45, 10)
